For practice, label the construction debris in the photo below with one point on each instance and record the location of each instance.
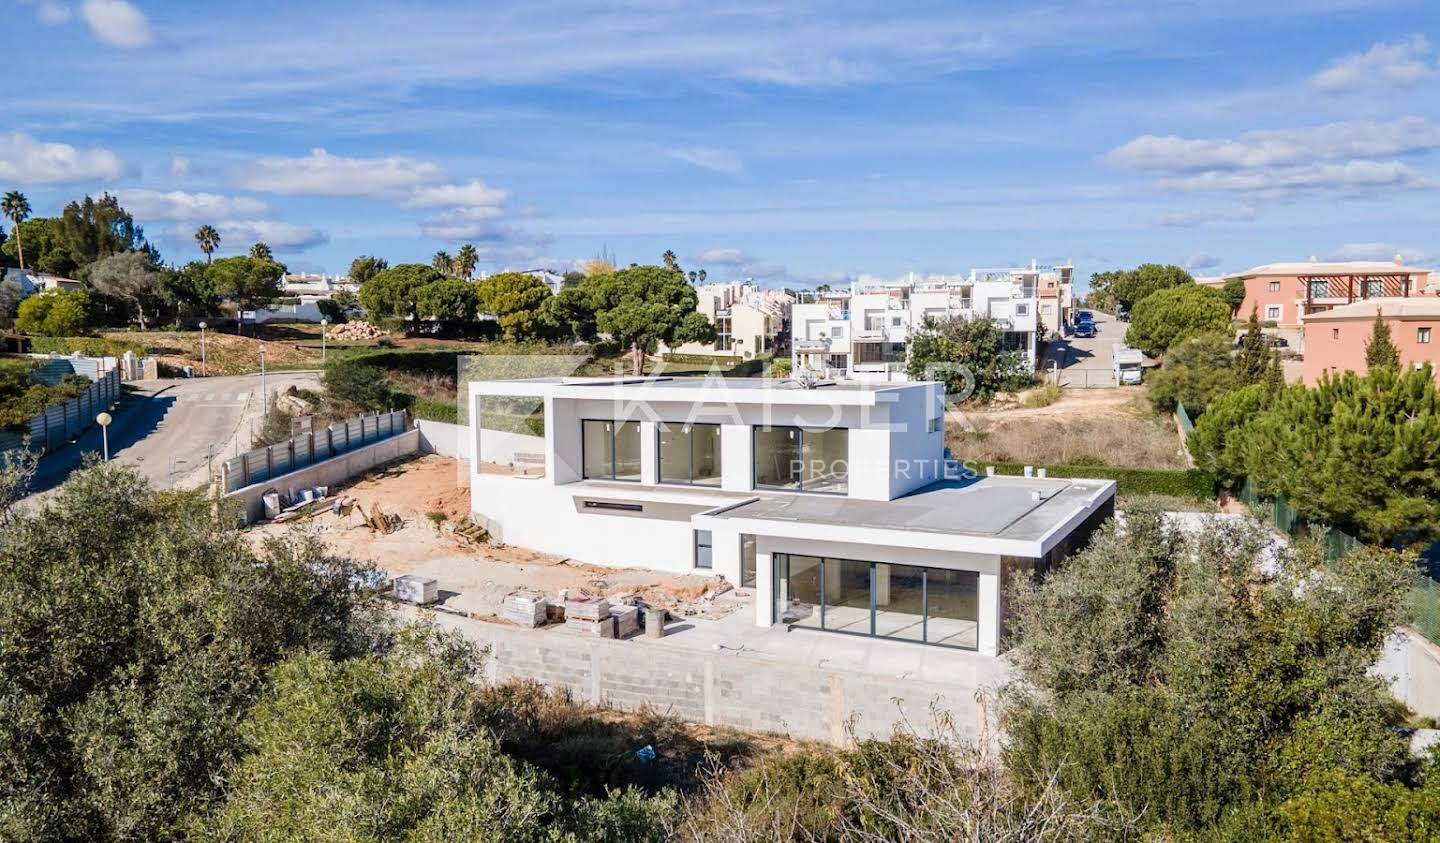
(381, 522)
(357, 332)
(627, 620)
(471, 533)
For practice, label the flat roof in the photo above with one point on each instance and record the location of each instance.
(1333, 268)
(662, 388)
(1018, 508)
(1392, 308)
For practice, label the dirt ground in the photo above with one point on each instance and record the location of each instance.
(474, 579)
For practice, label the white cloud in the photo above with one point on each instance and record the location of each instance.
(1203, 260)
(26, 160)
(472, 194)
(180, 167)
(724, 257)
(709, 158)
(323, 174)
(1206, 216)
(1401, 63)
(1353, 178)
(117, 22)
(180, 205)
(278, 235)
(1377, 252)
(464, 223)
(50, 12)
(1268, 148)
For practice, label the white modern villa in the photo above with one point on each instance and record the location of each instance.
(835, 503)
(863, 333)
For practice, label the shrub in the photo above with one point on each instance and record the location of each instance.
(360, 384)
(55, 313)
(1164, 318)
(1042, 396)
(88, 346)
(1195, 372)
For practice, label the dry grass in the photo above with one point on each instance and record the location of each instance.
(1041, 396)
(1123, 436)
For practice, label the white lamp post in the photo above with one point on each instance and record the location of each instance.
(104, 421)
(203, 371)
(323, 323)
(264, 396)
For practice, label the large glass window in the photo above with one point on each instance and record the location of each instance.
(747, 561)
(704, 549)
(907, 602)
(802, 460)
(689, 453)
(610, 450)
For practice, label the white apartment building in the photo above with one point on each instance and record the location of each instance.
(835, 503)
(747, 319)
(863, 334)
(316, 285)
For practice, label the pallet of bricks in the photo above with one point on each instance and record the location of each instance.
(525, 608)
(590, 617)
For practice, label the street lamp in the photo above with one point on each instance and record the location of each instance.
(104, 421)
(264, 396)
(323, 322)
(203, 371)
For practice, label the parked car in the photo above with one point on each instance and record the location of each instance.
(1122, 313)
(1084, 316)
(1271, 340)
(1085, 330)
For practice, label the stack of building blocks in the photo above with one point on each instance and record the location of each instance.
(589, 616)
(627, 620)
(525, 608)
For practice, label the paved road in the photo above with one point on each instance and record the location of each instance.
(1088, 362)
(170, 429)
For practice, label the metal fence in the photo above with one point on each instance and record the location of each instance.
(263, 464)
(58, 424)
(1279, 511)
(1186, 425)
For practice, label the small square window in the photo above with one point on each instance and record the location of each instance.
(1334, 333)
(1022, 310)
(1274, 286)
(1422, 335)
(1272, 312)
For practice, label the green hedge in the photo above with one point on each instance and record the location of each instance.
(89, 346)
(440, 411)
(1192, 483)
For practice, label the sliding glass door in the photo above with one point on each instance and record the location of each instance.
(905, 602)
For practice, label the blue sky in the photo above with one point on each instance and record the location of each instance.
(793, 142)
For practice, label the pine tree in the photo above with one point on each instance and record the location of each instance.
(1380, 350)
(1253, 361)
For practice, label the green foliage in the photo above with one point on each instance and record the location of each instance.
(88, 346)
(569, 313)
(465, 260)
(262, 252)
(43, 241)
(451, 300)
(245, 280)
(16, 208)
(1234, 293)
(1226, 414)
(333, 310)
(23, 396)
(518, 302)
(1255, 359)
(92, 229)
(1042, 396)
(130, 276)
(1380, 350)
(1182, 680)
(391, 291)
(188, 290)
(642, 306)
(1128, 287)
(208, 239)
(977, 346)
(135, 630)
(1343, 807)
(441, 411)
(361, 384)
(1164, 318)
(780, 367)
(1358, 453)
(55, 313)
(1193, 484)
(1195, 372)
(365, 267)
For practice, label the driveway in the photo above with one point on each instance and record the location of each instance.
(171, 431)
(1087, 362)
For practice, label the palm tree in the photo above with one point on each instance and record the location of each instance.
(669, 259)
(443, 262)
(17, 208)
(209, 240)
(261, 252)
(702, 276)
(694, 276)
(465, 260)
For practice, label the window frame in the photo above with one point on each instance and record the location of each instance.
(1274, 286)
(1278, 310)
(615, 425)
(708, 544)
(800, 448)
(660, 455)
(1422, 335)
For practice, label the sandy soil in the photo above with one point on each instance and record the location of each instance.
(475, 579)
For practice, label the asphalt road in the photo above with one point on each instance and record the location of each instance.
(170, 430)
(1088, 362)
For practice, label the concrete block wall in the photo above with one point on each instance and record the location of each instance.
(1410, 665)
(720, 688)
(331, 472)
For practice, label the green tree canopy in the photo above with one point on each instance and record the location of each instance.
(569, 315)
(643, 306)
(1234, 293)
(1380, 349)
(518, 302)
(451, 300)
(365, 267)
(188, 291)
(977, 345)
(130, 276)
(1195, 372)
(1168, 316)
(56, 313)
(465, 261)
(261, 251)
(391, 292)
(1133, 286)
(248, 282)
(16, 208)
(1197, 683)
(44, 244)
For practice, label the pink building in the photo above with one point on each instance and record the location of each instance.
(1289, 293)
(1335, 339)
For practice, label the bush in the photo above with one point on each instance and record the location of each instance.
(88, 346)
(360, 384)
(1192, 483)
(440, 411)
(1162, 319)
(1196, 371)
(55, 313)
(1042, 396)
